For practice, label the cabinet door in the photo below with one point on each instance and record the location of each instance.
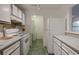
(19, 13)
(14, 10)
(16, 52)
(26, 46)
(5, 12)
(57, 49)
(64, 53)
(30, 39)
(68, 50)
(23, 19)
(10, 49)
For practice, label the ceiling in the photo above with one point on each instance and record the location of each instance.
(46, 9)
(43, 6)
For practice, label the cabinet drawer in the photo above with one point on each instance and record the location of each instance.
(11, 48)
(57, 41)
(64, 53)
(68, 50)
(57, 49)
(16, 52)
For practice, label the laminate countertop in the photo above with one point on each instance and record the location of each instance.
(71, 42)
(7, 42)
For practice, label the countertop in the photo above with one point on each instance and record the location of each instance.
(76, 33)
(5, 43)
(69, 41)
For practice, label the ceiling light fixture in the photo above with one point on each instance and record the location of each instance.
(38, 8)
(36, 5)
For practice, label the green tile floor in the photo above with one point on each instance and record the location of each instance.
(37, 48)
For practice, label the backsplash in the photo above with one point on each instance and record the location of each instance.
(14, 26)
(1, 26)
(9, 26)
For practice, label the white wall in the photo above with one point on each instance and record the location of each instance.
(57, 25)
(54, 26)
(28, 21)
(45, 13)
(54, 23)
(45, 34)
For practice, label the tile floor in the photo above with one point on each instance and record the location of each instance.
(37, 48)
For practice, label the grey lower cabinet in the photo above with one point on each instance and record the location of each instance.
(16, 52)
(68, 50)
(27, 47)
(57, 49)
(26, 42)
(13, 49)
(64, 53)
(62, 49)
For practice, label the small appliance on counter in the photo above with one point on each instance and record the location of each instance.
(11, 32)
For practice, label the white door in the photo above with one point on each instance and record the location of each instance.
(37, 27)
(33, 30)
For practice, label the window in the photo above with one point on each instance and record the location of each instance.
(75, 25)
(75, 18)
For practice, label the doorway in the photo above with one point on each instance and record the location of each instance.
(37, 47)
(37, 27)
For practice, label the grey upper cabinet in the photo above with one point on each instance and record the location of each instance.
(5, 12)
(14, 10)
(16, 14)
(23, 18)
(20, 14)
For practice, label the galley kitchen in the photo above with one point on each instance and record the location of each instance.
(39, 29)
